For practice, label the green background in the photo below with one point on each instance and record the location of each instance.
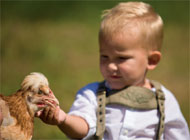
(59, 39)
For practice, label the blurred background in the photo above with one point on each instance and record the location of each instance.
(60, 40)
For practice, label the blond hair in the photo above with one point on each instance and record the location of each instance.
(138, 14)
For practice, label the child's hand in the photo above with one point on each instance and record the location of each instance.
(1, 117)
(52, 115)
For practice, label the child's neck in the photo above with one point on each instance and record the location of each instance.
(146, 84)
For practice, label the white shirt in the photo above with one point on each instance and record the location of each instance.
(123, 123)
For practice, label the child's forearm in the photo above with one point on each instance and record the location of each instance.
(74, 127)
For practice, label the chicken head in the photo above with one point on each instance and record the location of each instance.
(38, 95)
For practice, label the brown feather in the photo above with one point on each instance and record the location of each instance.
(17, 103)
(17, 111)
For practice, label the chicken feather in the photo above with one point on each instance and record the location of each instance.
(17, 111)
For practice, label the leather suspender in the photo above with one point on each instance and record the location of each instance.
(101, 100)
(160, 101)
(143, 99)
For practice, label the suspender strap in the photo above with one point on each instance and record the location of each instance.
(140, 100)
(101, 100)
(160, 100)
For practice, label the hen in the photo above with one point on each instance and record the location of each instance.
(17, 111)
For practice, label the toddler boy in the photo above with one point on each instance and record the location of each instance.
(126, 105)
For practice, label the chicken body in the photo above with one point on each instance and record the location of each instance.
(17, 121)
(18, 110)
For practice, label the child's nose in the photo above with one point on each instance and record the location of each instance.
(112, 67)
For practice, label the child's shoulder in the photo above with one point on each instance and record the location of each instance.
(88, 92)
(89, 89)
(167, 92)
(91, 86)
(170, 99)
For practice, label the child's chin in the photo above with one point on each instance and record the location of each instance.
(116, 86)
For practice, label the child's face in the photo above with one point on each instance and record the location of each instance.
(123, 62)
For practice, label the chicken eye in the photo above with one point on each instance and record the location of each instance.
(40, 92)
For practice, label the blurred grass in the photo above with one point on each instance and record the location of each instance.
(59, 39)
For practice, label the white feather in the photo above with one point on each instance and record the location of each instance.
(33, 81)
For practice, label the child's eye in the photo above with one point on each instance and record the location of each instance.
(104, 57)
(123, 58)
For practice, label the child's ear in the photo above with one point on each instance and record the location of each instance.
(153, 59)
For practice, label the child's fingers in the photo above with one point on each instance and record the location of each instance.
(50, 115)
(44, 114)
(49, 102)
(53, 100)
(38, 113)
(1, 116)
(56, 114)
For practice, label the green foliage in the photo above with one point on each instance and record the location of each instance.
(59, 39)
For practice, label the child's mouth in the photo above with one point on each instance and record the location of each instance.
(115, 77)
